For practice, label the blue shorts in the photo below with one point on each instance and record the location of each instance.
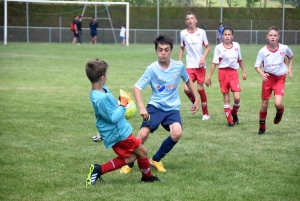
(93, 34)
(122, 38)
(160, 117)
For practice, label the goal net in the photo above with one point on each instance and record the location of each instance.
(49, 21)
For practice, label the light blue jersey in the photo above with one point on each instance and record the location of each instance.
(164, 84)
(110, 120)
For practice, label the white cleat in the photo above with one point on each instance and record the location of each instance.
(205, 117)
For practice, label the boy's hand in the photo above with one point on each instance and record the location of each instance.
(124, 98)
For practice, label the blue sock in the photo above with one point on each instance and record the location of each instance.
(131, 165)
(165, 147)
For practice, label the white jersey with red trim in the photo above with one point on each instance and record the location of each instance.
(227, 57)
(274, 61)
(193, 42)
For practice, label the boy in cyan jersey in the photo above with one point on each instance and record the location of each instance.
(163, 107)
(272, 58)
(114, 128)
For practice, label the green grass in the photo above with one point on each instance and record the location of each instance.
(47, 122)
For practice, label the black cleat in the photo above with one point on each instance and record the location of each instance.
(152, 179)
(235, 119)
(230, 125)
(261, 131)
(94, 175)
(278, 117)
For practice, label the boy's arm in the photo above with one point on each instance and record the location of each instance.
(192, 89)
(241, 63)
(211, 71)
(262, 74)
(139, 100)
(181, 50)
(202, 60)
(290, 67)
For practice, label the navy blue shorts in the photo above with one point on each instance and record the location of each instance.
(93, 34)
(160, 117)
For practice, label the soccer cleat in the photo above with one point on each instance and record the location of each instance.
(261, 131)
(235, 119)
(125, 169)
(278, 117)
(152, 179)
(205, 117)
(97, 138)
(93, 175)
(230, 125)
(158, 165)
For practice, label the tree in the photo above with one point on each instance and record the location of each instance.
(264, 3)
(295, 3)
(251, 3)
(209, 3)
(232, 3)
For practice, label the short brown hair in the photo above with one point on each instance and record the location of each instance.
(163, 39)
(95, 69)
(273, 28)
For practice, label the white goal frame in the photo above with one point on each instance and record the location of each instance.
(67, 2)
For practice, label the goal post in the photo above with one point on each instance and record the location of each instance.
(67, 2)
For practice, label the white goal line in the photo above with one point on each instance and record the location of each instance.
(67, 2)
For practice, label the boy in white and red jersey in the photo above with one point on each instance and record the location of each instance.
(193, 39)
(272, 58)
(228, 56)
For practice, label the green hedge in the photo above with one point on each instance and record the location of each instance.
(145, 17)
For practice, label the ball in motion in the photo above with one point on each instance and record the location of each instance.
(130, 110)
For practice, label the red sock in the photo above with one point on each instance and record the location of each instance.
(235, 108)
(113, 164)
(203, 101)
(228, 114)
(144, 166)
(190, 96)
(280, 110)
(262, 119)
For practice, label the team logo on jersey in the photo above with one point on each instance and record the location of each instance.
(281, 53)
(224, 50)
(198, 34)
(168, 88)
(175, 75)
(236, 49)
(267, 55)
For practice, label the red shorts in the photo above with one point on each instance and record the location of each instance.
(197, 74)
(125, 148)
(273, 83)
(229, 80)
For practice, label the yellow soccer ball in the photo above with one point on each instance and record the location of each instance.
(130, 110)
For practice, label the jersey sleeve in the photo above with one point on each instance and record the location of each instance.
(144, 80)
(217, 56)
(204, 39)
(259, 60)
(181, 39)
(289, 53)
(184, 74)
(239, 52)
(108, 109)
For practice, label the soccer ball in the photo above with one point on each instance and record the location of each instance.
(130, 110)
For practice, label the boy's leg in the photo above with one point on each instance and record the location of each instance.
(262, 116)
(97, 170)
(167, 146)
(279, 108)
(235, 107)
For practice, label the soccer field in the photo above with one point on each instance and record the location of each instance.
(47, 123)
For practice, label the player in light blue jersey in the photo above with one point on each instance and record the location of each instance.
(114, 128)
(163, 107)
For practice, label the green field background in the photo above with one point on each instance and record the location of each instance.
(47, 122)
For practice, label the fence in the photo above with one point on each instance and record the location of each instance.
(136, 36)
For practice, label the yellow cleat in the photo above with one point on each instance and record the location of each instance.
(158, 165)
(125, 169)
